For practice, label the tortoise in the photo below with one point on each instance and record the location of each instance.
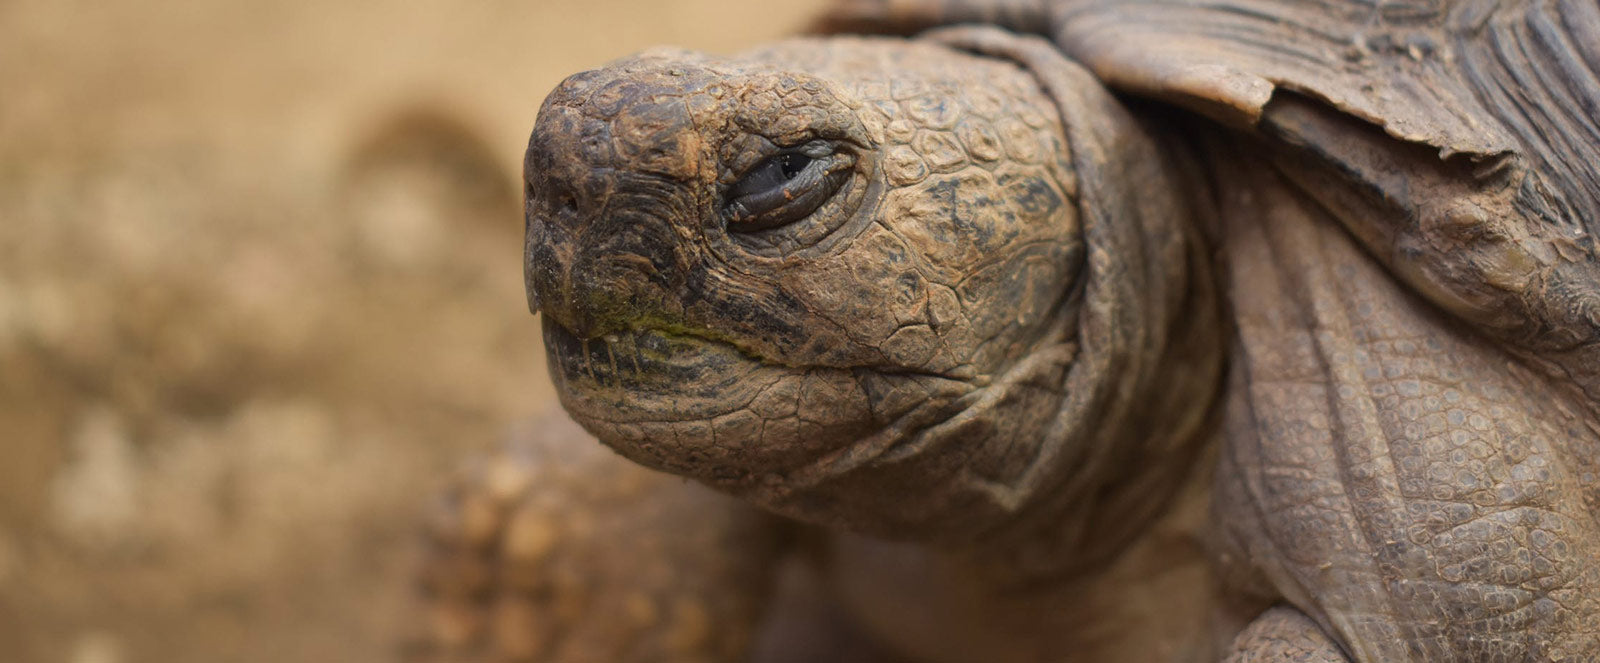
(1063, 330)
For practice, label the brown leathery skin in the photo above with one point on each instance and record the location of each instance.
(1421, 492)
(944, 326)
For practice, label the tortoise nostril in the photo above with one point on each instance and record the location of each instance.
(559, 199)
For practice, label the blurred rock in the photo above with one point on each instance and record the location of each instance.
(95, 497)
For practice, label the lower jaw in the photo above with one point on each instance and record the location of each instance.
(703, 409)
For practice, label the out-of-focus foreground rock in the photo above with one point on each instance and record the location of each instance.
(259, 292)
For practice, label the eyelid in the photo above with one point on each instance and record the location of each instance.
(817, 149)
(751, 154)
(791, 200)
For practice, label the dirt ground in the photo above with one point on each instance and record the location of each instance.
(260, 292)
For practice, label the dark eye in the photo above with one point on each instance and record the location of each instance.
(786, 188)
(793, 164)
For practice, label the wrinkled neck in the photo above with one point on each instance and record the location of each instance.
(1138, 403)
(1070, 453)
(1156, 601)
(1135, 425)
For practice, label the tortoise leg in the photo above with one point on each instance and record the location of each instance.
(558, 550)
(1283, 634)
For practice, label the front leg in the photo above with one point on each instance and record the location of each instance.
(1410, 484)
(556, 549)
(1284, 635)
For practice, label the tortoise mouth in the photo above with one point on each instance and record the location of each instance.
(648, 375)
(706, 409)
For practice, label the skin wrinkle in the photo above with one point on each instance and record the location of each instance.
(1041, 457)
(600, 415)
(757, 276)
(864, 452)
(1326, 316)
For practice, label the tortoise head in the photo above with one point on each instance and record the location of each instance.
(814, 275)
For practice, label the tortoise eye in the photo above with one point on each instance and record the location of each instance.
(793, 164)
(786, 187)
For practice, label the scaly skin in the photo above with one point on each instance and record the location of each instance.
(946, 325)
(950, 297)
(1417, 489)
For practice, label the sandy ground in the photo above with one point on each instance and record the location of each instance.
(259, 293)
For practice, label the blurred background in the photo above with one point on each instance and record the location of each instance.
(260, 293)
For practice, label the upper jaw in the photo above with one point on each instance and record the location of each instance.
(615, 374)
(700, 407)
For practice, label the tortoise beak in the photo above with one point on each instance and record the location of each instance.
(601, 270)
(528, 288)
